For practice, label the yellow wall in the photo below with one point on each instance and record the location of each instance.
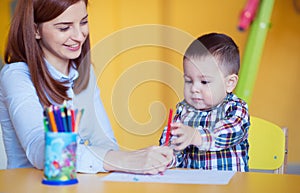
(276, 90)
(139, 65)
(5, 15)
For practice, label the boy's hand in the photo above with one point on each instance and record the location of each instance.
(185, 136)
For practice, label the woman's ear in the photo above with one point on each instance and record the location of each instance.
(231, 82)
(37, 32)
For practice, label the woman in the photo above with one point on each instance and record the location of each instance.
(47, 62)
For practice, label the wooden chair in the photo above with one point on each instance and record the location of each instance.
(268, 146)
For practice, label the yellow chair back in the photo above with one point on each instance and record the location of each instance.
(267, 149)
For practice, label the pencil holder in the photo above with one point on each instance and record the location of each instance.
(60, 158)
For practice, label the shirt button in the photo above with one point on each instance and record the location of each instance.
(85, 142)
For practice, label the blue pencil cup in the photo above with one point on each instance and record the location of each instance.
(60, 158)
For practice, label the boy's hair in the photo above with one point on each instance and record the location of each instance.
(221, 47)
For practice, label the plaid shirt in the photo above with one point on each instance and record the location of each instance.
(224, 131)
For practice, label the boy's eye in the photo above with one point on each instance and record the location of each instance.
(187, 81)
(204, 82)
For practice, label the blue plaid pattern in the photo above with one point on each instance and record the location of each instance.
(224, 131)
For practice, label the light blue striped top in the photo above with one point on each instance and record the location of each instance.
(21, 118)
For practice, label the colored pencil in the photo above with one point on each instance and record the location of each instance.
(58, 119)
(72, 120)
(78, 118)
(69, 120)
(169, 128)
(46, 122)
(52, 119)
(63, 117)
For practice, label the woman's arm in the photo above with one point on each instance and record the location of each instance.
(23, 126)
(151, 160)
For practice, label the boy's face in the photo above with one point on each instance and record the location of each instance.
(205, 86)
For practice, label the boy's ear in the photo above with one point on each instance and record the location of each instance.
(37, 32)
(231, 82)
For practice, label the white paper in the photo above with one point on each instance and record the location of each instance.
(176, 177)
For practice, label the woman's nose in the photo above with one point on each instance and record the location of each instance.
(78, 34)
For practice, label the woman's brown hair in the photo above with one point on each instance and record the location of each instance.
(23, 47)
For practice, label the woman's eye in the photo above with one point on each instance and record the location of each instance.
(84, 22)
(63, 28)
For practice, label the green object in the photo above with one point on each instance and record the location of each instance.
(253, 50)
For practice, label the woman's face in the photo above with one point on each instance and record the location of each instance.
(61, 39)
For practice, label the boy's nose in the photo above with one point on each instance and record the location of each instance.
(196, 88)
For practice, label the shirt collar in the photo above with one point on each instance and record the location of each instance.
(73, 73)
(191, 108)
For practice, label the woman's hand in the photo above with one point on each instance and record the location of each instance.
(154, 159)
(151, 160)
(184, 136)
